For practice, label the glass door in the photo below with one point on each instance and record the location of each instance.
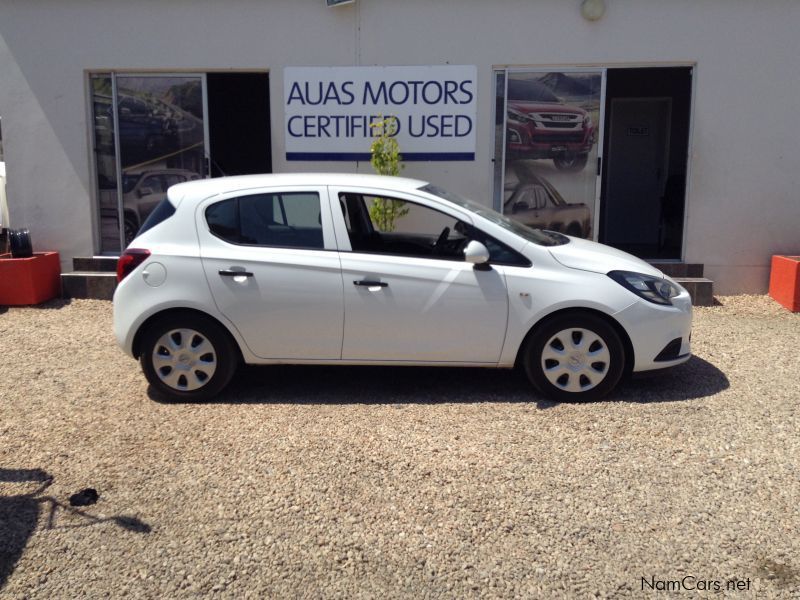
(150, 134)
(547, 166)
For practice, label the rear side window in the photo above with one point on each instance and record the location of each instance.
(286, 220)
(160, 213)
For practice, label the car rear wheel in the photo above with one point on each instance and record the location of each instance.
(188, 357)
(574, 357)
(571, 162)
(574, 230)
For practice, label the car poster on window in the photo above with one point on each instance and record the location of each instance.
(161, 141)
(551, 135)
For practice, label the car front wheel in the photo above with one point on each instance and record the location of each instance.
(571, 162)
(574, 357)
(188, 357)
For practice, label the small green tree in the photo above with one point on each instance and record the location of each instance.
(386, 160)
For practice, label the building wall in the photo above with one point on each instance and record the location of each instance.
(743, 201)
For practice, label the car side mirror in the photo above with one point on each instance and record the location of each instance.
(145, 191)
(476, 253)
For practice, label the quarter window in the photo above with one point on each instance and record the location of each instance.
(287, 220)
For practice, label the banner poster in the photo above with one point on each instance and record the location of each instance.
(329, 111)
(551, 133)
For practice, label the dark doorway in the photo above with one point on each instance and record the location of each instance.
(646, 151)
(238, 123)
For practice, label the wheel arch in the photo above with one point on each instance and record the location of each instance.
(630, 356)
(136, 349)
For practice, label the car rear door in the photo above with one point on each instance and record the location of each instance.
(270, 259)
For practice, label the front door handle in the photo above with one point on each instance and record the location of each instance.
(232, 273)
(367, 283)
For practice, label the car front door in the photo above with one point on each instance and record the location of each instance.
(271, 263)
(409, 295)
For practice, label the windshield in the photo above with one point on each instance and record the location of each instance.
(529, 91)
(536, 236)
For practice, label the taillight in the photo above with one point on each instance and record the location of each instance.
(130, 259)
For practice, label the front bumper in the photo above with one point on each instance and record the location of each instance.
(525, 139)
(654, 329)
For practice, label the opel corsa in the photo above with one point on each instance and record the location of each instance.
(370, 270)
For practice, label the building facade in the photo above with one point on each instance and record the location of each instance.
(664, 128)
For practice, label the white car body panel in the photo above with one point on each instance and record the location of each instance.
(586, 255)
(430, 310)
(433, 312)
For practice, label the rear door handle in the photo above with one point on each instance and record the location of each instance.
(367, 283)
(232, 273)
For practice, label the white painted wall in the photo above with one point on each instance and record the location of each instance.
(745, 172)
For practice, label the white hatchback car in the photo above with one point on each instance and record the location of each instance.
(370, 270)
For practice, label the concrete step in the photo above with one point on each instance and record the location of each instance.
(679, 269)
(105, 264)
(700, 289)
(88, 284)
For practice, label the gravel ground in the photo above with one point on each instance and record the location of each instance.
(365, 482)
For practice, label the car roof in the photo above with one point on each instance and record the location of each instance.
(204, 188)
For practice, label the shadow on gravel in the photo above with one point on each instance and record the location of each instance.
(696, 378)
(56, 304)
(19, 514)
(303, 384)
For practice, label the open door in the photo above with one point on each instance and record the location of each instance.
(646, 156)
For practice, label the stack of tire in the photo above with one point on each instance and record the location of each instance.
(19, 241)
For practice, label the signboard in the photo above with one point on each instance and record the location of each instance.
(329, 110)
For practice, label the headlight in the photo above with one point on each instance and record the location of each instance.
(587, 121)
(657, 290)
(518, 116)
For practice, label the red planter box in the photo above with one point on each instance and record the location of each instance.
(29, 280)
(784, 281)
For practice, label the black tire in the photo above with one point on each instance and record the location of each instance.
(131, 229)
(20, 243)
(190, 364)
(571, 162)
(569, 380)
(574, 230)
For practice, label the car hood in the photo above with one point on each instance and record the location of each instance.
(599, 258)
(529, 107)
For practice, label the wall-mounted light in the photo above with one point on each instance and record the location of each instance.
(592, 10)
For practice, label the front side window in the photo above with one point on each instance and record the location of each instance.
(397, 227)
(286, 220)
(391, 226)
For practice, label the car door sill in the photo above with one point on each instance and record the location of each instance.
(362, 362)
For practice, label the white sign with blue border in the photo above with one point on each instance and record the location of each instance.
(329, 111)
